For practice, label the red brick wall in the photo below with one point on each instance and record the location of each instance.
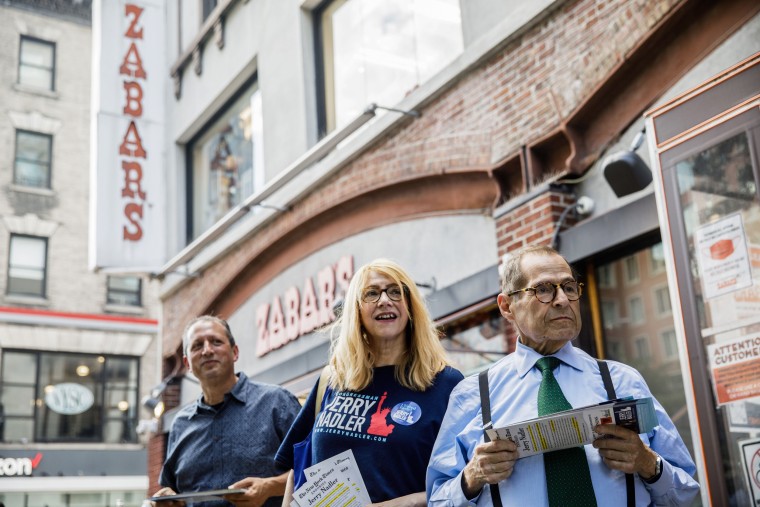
(156, 453)
(532, 223)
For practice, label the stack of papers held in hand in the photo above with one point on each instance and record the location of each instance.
(334, 482)
(575, 427)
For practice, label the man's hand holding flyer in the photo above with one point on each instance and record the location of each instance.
(575, 427)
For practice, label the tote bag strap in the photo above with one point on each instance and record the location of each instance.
(324, 377)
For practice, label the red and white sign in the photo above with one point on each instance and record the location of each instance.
(303, 311)
(735, 368)
(127, 219)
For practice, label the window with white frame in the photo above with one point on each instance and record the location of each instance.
(377, 52)
(227, 160)
(636, 310)
(656, 259)
(207, 8)
(31, 166)
(641, 345)
(631, 264)
(662, 300)
(124, 290)
(668, 338)
(27, 266)
(36, 63)
(67, 397)
(610, 313)
(605, 276)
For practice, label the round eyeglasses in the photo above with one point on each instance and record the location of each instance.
(372, 294)
(546, 292)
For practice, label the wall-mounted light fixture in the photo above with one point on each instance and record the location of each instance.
(153, 400)
(625, 171)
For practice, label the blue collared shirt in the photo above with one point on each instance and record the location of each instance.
(214, 447)
(513, 389)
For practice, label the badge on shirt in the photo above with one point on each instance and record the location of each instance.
(406, 413)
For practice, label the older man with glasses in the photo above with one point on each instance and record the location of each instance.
(546, 374)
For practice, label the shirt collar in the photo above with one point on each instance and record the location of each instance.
(526, 357)
(237, 393)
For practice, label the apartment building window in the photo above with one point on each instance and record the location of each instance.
(227, 160)
(668, 338)
(632, 275)
(36, 63)
(31, 166)
(605, 276)
(27, 265)
(124, 290)
(66, 397)
(378, 52)
(208, 8)
(662, 300)
(636, 310)
(642, 347)
(656, 259)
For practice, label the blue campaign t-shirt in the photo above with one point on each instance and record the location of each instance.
(390, 429)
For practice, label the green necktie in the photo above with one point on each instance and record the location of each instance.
(568, 479)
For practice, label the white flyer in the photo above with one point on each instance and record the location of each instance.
(722, 257)
(336, 482)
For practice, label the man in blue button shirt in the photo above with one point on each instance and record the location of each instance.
(540, 297)
(229, 436)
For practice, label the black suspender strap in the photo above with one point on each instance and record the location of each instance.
(604, 369)
(485, 408)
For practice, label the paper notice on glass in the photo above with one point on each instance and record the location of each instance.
(722, 257)
(572, 428)
(334, 482)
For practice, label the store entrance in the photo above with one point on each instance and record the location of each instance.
(707, 152)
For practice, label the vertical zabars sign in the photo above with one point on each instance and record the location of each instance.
(127, 201)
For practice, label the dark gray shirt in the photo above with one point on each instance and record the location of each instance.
(214, 447)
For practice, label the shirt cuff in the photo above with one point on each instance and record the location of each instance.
(459, 497)
(664, 484)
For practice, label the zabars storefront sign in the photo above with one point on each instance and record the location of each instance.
(127, 215)
(300, 310)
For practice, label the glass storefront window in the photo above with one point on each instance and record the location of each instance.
(227, 160)
(648, 344)
(477, 340)
(61, 397)
(378, 51)
(718, 195)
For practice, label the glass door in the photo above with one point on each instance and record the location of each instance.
(712, 183)
(704, 148)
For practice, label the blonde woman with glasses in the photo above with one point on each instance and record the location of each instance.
(388, 388)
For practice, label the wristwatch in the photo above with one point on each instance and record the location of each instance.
(657, 471)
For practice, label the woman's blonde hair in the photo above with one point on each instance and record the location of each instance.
(351, 357)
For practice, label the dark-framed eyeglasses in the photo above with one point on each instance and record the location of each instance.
(546, 292)
(373, 294)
